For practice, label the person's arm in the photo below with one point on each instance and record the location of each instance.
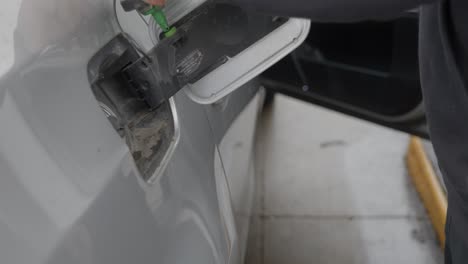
(334, 10)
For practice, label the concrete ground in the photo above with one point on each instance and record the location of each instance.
(333, 189)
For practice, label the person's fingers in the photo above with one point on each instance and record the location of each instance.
(156, 2)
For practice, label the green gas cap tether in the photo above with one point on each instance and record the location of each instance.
(160, 18)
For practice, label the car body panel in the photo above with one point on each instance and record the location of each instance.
(70, 191)
(237, 152)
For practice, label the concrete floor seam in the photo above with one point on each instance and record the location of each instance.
(349, 217)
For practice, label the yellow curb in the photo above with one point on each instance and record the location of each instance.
(428, 186)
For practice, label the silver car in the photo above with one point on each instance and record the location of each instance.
(115, 150)
(121, 145)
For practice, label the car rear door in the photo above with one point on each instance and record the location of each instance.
(367, 69)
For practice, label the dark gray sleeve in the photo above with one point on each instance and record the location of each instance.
(335, 10)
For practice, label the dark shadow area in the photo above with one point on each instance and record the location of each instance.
(369, 65)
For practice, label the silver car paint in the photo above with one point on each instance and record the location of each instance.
(69, 191)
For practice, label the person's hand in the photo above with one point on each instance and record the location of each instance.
(156, 2)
